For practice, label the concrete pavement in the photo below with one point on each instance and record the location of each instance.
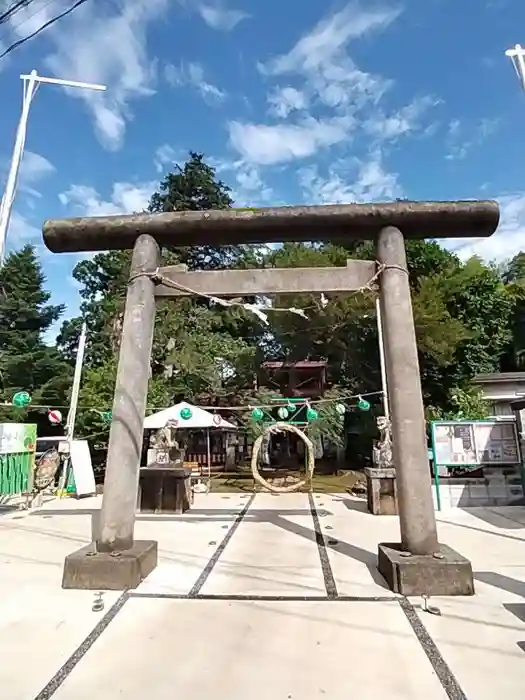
(250, 601)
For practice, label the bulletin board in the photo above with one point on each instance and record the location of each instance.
(474, 443)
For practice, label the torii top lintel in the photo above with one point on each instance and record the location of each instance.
(335, 222)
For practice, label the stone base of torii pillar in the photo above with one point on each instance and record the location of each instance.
(416, 565)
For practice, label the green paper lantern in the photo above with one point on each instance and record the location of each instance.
(340, 408)
(282, 412)
(186, 413)
(106, 416)
(311, 414)
(257, 414)
(21, 399)
(363, 404)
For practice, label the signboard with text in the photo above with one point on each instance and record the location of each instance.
(17, 438)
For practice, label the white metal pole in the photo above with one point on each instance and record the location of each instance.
(208, 450)
(386, 408)
(72, 415)
(73, 404)
(30, 85)
(517, 56)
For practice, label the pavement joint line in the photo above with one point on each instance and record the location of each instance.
(203, 577)
(440, 666)
(60, 676)
(266, 598)
(326, 567)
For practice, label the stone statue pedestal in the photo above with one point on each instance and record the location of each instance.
(381, 490)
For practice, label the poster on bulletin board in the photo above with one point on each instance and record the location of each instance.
(474, 443)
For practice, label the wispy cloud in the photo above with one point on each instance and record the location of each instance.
(508, 239)
(462, 138)
(401, 123)
(34, 167)
(192, 74)
(103, 44)
(320, 49)
(331, 98)
(165, 155)
(125, 198)
(267, 145)
(219, 17)
(371, 182)
(285, 100)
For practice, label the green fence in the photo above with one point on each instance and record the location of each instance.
(15, 473)
(17, 458)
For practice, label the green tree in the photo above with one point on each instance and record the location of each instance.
(27, 363)
(513, 274)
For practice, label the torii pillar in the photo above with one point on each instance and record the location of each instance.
(418, 563)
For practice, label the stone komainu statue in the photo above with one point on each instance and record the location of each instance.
(382, 452)
(166, 443)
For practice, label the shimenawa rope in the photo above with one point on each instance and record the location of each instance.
(310, 458)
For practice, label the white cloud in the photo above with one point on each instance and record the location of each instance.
(35, 167)
(284, 100)
(250, 188)
(267, 145)
(508, 239)
(330, 75)
(164, 155)
(21, 232)
(461, 139)
(126, 198)
(219, 17)
(192, 74)
(372, 183)
(403, 122)
(336, 92)
(103, 44)
(318, 49)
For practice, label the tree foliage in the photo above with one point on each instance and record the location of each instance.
(27, 363)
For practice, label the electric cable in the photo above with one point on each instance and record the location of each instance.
(38, 31)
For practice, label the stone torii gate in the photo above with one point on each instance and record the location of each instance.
(418, 563)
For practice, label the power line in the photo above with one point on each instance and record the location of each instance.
(10, 11)
(27, 17)
(47, 24)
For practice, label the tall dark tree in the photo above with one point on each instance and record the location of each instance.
(27, 363)
(195, 187)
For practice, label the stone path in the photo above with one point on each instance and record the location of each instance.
(263, 598)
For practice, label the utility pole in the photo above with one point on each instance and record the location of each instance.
(384, 387)
(517, 56)
(31, 83)
(73, 404)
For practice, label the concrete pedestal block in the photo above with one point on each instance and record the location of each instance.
(381, 490)
(87, 569)
(448, 573)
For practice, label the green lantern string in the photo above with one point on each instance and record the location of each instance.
(363, 404)
(21, 399)
(257, 414)
(311, 414)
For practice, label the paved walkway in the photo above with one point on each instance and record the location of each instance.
(262, 598)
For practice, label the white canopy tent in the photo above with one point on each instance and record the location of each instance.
(198, 419)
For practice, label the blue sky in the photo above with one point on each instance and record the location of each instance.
(293, 104)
